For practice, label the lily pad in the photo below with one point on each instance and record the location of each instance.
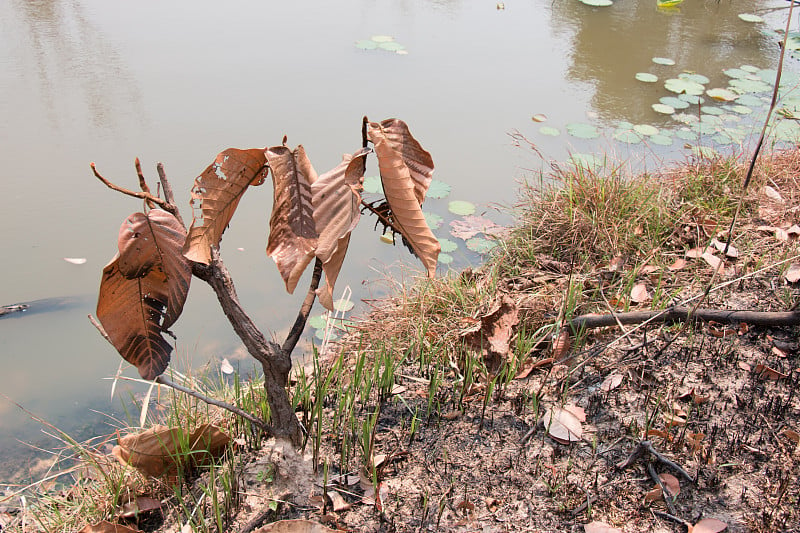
(598, 3)
(723, 95)
(382, 38)
(736, 73)
(661, 140)
(704, 152)
(679, 85)
(693, 76)
(692, 98)
(550, 131)
(646, 129)
(539, 117)
(588, 161)
(391, 46)
(750, 86)
(742, 110)
(673, 102)
(445, 258)
(686, 134)
(646, 77)
(320, 334)
(712, 111)
(480, 245)
(664, 109)
(627, 136)
(342, 305)
(583, 131)
(448, 246)
(663, 61)
(460, 207)
(366, 44)
(433, 220)
(373, 185)
(750, 68)
(686, 118)
(318, 321)
(749, 17)
(436, 190)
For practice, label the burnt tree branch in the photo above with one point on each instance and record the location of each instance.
(682, 314)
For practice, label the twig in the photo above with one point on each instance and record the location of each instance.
(169, 196)
(646, 446)
(200, 396)
(679, 313)
(305, 310)
(665, 492)
(674, 518)
(141, 195)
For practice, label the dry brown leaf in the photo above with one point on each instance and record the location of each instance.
(678, 264)
(673, 420)
(561, 344)
(744, 366)
(215, 196)
(141, 504)
(611, 382)
(159, 449)
(471, 225)
(292, 231)
(698, 252)
(713, 261)
(792, 435)
(562, 425)
(719, 245)
(294, 526)
(406, 171)
(639, 293)
(579, 412)
(772, 194)
(493, 334)
(658, 433)
(793, 231)
(617, 264)
(708, 525)
(131, 312)
(600, 527)
(338, 501)
(670, 482)
(336, 197)
(764, 371)
(107, 527)
(793, 273)
(649, 269)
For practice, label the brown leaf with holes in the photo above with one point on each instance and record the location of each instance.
(215, 196)
(159, 450)
(292, 231)
(494, 333)
(406, 171)
(131, 312)
(156, 240)
(336, 197)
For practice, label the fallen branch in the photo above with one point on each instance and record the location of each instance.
(681, 314)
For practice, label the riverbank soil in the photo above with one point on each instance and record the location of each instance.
(485, 401)
(499, 416)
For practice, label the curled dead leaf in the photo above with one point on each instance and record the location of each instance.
(562, 425)
(764, 371)
(600, 527)
(673, 420)
(678, 264)
(611, 382)
(772, 194)
(720, 246)
(713, 261)
(561, 344)
(107, 527)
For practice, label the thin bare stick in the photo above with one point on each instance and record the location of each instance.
(305, 310)
(169, 196)
(141, 195)
(211, 401)
(665, 492)
(142, 182)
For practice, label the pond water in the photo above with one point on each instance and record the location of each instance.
(179, 81)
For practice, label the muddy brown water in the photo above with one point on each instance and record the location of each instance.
(178, 82)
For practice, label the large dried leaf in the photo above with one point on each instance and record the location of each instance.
(215, 195)
(402, 170)
(492, 337)
(294, 526)
(132, 312)
(562, 425)
(336, 197)
(160, 449)
(600, 527)
(292, 231)
(156, 240)
(414, 156)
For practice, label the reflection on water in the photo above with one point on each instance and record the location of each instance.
(610, 45)
(71, 62)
